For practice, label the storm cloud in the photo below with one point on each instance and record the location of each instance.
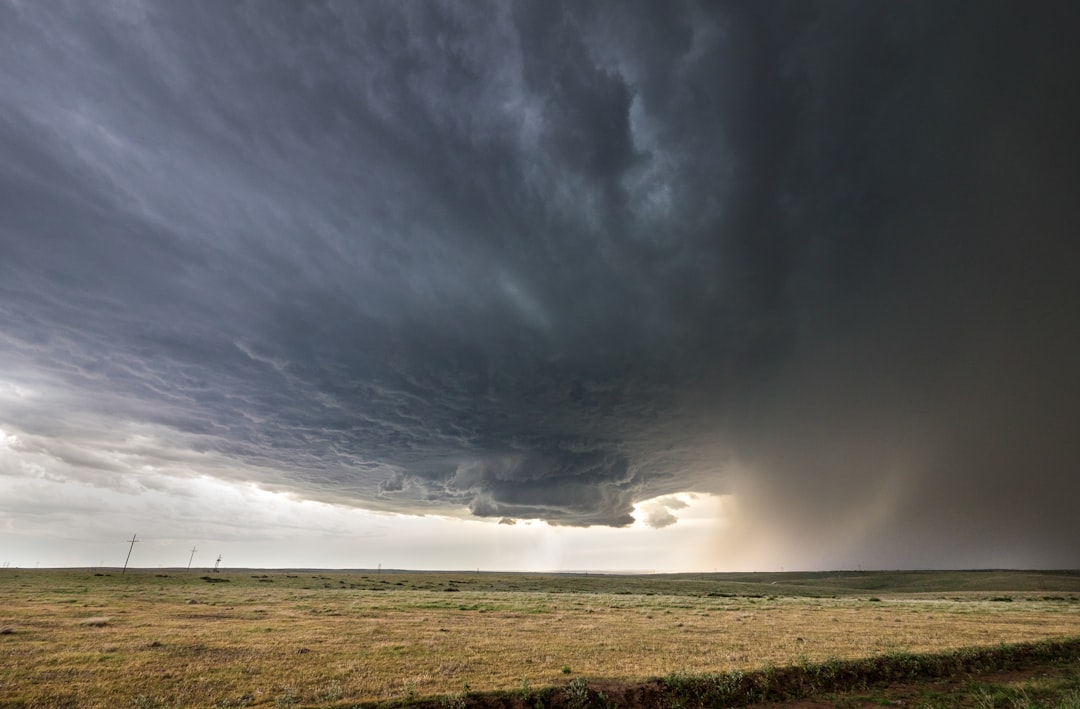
(547, 261)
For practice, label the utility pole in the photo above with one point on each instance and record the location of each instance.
(193, 550)
(217, 563)
(130, 547)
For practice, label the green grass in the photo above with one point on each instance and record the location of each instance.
(813, 679)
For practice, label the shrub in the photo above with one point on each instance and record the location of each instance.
(577, 693)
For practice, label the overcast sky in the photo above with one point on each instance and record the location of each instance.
(540, 285)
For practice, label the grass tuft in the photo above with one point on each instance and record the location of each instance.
(95, 622)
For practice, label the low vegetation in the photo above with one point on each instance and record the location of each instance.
(1019, 676)
(310, 638)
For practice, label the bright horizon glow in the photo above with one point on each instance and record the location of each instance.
(52, 517)
(250, 527)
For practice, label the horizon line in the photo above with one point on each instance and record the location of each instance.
(566, 572)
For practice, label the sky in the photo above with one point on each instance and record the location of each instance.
(540, 285)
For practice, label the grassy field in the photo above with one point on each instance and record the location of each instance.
(291, 638)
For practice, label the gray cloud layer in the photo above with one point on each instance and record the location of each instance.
(545, 261)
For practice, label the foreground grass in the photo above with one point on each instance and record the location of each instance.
(843, 681)
(1018, 676)
(76, 638)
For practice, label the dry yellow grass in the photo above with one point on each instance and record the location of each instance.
(266, 640)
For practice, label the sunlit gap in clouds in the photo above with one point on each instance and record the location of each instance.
(249, 526)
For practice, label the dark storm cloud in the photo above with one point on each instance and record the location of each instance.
(544, 261)
(928, 190)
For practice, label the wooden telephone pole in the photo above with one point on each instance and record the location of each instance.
(130, 547)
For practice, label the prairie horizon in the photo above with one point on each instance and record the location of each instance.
(717, 350)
